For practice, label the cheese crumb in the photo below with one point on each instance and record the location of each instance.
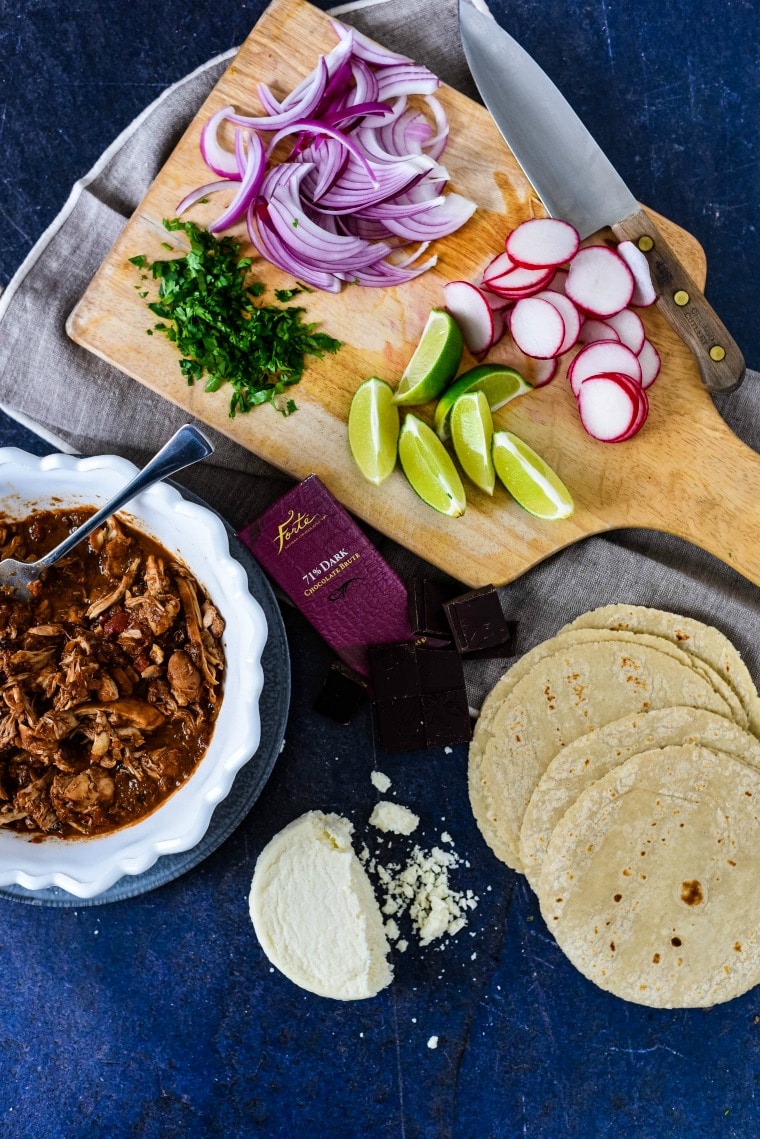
(393, 817)
(381, 781)
(423, 889)
(433, 1042)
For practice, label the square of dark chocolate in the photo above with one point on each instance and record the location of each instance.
(447, 718)
(400, 723)
(426, 612)
(342, 694)
(477, 621)
(394, 671)
(439, 669)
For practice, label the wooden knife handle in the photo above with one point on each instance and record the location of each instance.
(720, 361)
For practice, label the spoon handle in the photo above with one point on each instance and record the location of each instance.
(186, 446)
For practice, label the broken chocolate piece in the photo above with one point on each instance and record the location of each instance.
(426, 613)
(401, 723)
(477, 621)
(447, 718)
(440, 670)
(419, 696)
(394, 670)
(342, 694)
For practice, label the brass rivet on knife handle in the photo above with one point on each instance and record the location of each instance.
(721, 364)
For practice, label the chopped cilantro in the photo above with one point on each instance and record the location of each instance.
(224, 337)
(139, 261)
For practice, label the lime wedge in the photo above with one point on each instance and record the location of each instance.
(499, 383)
(471, 433)
(373, 426)
(435, 360)
(429, 468)
(530, 480)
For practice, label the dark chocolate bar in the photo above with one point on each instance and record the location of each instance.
(426, 601)
(477, 622)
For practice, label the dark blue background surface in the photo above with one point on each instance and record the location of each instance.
(159, 1016)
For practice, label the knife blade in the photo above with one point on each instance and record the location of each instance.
(576, 182)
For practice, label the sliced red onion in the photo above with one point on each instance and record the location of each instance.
(362, 179)
(364, 48)
(312, 126)
(406, 79)
(221, 161)
(201, 192)
(435, 145)
(266, 241)
(253, 176)
(438, 222)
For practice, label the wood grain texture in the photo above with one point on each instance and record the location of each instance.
(685, 473)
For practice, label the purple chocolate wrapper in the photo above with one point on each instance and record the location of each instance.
(328, 568)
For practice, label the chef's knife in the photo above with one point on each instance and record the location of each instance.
(576, 182)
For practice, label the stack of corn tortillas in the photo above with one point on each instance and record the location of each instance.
(618, 766)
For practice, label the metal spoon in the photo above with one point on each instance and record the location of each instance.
(186, 446)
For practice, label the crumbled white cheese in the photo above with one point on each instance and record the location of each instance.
(433, 1042)
(422, 889)
(381, 781)
(402, 945)
(446, 837)
(391, 930)
(393, 817)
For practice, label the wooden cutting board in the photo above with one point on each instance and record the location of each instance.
(685, 472)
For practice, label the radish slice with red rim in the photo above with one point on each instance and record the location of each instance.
(642, 402)
(495, 301)
(517, 281)
(603, 356)
(599, 281)
(571, 318)
(543, 372)
(558, 281)
(537, 327)
(628, 325)
(498, 265)
(593, 330)
(643, 292)
(608, 407)
(649, 359)
(471, 311)
(542, 242)
(499, 328)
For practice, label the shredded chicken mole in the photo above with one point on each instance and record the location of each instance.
(110, 680)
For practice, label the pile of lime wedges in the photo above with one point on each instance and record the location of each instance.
(377, 437)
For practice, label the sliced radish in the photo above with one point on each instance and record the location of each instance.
(537, 328)
(649, 359)
(543, 371)
(541, 242)
(496, 302)
(471, 311)
(499, 325)
(498, 266)
(557, 283)
(571, 318)
(629, 328)
(639, 397)
(643, 292)
(608, 407)
(593, 330)
(599, 281)
(517, 281)
(603, 356)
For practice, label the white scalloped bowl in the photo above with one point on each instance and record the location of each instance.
(86, 867)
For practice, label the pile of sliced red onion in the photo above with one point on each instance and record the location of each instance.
(362, 180)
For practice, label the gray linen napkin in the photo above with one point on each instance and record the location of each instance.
(97, 409)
